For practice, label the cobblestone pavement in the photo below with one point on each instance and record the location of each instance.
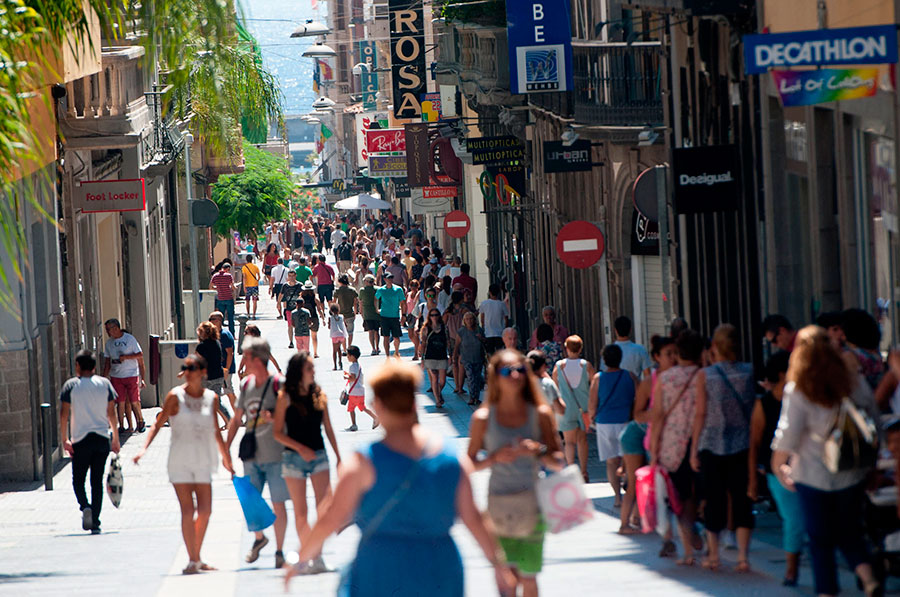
(43, 550)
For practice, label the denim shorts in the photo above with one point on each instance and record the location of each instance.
(268, 472)
(293, 466)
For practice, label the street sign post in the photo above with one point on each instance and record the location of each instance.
(579, 244)
(456, 224)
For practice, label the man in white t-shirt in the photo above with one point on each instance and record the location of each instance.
(494, 319)
(452, 269)
(279, 277)
(635, 357)
(87, 410)
(125, 369)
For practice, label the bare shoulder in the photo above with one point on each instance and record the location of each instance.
(480, 415)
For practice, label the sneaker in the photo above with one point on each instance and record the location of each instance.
(291, 345)
(317, 566)
(279, 559)
(87, 519)
(256, 548)
(95, 530)
(351, 428)
(141, 427)
(374, 352)
(121, 430)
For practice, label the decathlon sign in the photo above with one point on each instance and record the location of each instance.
(821, 47)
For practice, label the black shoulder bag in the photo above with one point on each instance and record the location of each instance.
(247, 447)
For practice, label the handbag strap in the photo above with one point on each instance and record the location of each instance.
(680, 395)
(355, 381)
(562, 373)
(261, 399)
(396, 497)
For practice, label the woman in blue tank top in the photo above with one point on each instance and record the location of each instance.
(404, 493)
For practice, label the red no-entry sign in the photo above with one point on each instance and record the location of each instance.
(456, 223)
(579, 244)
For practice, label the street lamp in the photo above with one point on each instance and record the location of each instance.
(195, 272)
(323, 103)
(319, 50)
(311, 29)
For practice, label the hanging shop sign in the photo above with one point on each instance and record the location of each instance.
(574, 158)
(540, 46)
(706, 179)
(805, 88)
(432, 107)
(95, 196)
(387, 166)
(580, 244)
(385, 140)
(417, 152)
(497, 186)
(401, 188)
(446, 168)
(438, 192)
(407, 56)
(820, 47)
(496, 150)
(419, 204)
(363, 122)
(644, 193)
(644, 235)
(368, 79)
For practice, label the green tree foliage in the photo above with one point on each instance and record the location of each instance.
(247, 201)
(491, 13)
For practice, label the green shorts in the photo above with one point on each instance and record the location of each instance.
(525, 554)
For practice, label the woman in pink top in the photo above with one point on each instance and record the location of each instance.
(672, 420)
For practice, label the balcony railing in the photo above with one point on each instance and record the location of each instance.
(116, 91)
(617, 84)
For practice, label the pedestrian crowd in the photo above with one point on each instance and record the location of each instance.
(691, 411)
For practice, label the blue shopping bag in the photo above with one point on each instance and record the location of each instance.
(256, 511)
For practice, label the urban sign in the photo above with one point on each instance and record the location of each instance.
(387, 166)
(574, 158)
(95, 196)
(540, 46)
(496, 150)
(385, 140)
(438, 192)
(706, 178)
(580, 244)
(368, 79)
(407, 56)
(805, 88)
(456, 224)
(820, 47)
(417, 152)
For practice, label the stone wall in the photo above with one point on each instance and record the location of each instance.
(16, 450)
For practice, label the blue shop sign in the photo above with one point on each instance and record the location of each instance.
(820, 47)
(540, 46)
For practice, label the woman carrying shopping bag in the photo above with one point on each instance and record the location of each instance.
(518, 430)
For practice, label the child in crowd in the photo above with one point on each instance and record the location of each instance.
(252, 331)
(356, 390)
(338, 335)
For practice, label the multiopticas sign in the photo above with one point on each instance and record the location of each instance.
(853, 45)
(705, 179)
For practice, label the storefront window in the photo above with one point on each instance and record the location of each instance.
(882, 229)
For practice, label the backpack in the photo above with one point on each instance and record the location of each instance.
(852, 443)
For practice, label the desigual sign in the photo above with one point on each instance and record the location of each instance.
(820, 47)
(95, 196)
(706, 178)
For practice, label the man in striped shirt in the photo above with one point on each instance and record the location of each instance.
(223, 283)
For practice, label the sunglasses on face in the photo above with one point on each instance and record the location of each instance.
(434, 314)
(429, 295)
(191, 367)
(509, 370)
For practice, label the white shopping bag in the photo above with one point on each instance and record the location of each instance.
(662, 503)
(563, 501)
(114, 482)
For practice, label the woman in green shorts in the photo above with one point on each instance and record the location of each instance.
(516, 429)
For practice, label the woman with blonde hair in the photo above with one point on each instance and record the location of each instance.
(517, 428)
(404, 492)
(818, 383)
(301, 413)
(726, 393)
(573, 377)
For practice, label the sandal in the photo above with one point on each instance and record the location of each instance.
(711, 564)
(685, 561)
(206, 567)
(628, 531)
(743, 566)
(668, 549)
(192, 568)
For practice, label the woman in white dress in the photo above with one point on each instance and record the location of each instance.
(191, 412)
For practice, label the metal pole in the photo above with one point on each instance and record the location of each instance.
(195, 273)
(47, 436)
(663, 217)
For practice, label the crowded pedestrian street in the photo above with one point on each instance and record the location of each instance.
(44, 552)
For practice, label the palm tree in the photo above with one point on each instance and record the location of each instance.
(195, 41)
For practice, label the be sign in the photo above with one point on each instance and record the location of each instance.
(540, 46)
(456, 223)
(579, 244)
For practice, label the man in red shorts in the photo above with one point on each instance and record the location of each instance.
(125, 369)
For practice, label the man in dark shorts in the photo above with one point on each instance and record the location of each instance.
(371, 318)
(324, 274)
(391, 306)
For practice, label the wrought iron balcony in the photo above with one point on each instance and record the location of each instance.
(617, 84)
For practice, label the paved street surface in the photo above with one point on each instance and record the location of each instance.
(43, 550)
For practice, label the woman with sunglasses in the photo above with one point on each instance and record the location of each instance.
(435, 342)
(190, 411)
(426, 302)
(517, 430)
